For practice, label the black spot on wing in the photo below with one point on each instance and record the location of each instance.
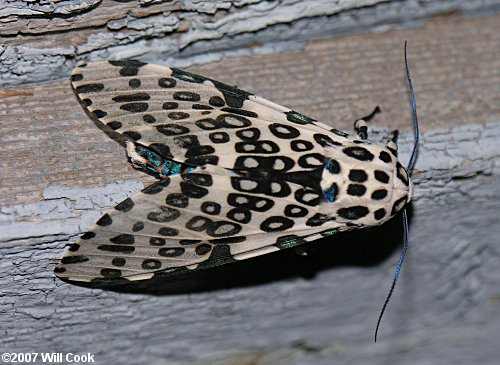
(74, 259)
(203, 249)
(114, 125)
(161, 149)
(89, 88)
(220, 255)
(283, 131)
(359, 153)
(155, 188)
(168, 232)
(318, 219)
(164, 215)
(135, 107)
(356, 190)
(74, 247)
(151, 264)
(134, 83)
(126, 98)
(198, 179)
(193, 191)
(157, 241)
(116, 248)
(299, 145)
(384, 156)
(76, 77)
(245, 113)
(118, 261)
(379, 194)
(171, 251)
(223, 229)
(123, 239)
(249, 134)
(251, 202)
(311, 160)
(186, 96)
(128, 67)
(381, 176)
(308, 197)
(243, 216)
(125, 205)
(99, 113)
(353, 213)
(379, 214)
(233, 96)
(228, 240)
(177, 200)
(87, 235)
(295, 211)
(219, 137)
(111, 273)
(105, 220)
(167, 82)
(172, 129)
(216, 101)
(324, 140)
(358, 175)
(169, 105)
(133, 135)
(211, 208)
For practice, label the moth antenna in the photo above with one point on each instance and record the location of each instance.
(396, 274)
(413, 157)
(409, 168)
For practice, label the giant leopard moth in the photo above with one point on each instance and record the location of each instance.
(239, 176)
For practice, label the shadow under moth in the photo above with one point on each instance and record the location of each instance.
(238, 175)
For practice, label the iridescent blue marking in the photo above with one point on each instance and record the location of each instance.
(331, 193)
(329, 232)
(172, 168)
(329, 165)
(152, 157)
(339, 133)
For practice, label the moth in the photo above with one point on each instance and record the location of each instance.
(238, 175)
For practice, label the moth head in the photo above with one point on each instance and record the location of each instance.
(364, 184)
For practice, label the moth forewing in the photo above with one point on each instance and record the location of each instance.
(239, 175)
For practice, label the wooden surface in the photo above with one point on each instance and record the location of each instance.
(454, 64)
(42, 41)
(59, 172)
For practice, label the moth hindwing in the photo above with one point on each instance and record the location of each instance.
(239, 175)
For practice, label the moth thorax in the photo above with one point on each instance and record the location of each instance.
(364, 192)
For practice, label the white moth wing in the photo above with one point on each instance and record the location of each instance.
(196, 120)
(194, 220)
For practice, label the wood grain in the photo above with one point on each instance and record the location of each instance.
(47, 139)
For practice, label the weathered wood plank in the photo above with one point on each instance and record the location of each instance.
(58, 172)
(43, 42)
(332, 80)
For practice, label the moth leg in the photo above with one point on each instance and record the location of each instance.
(392, 144)
(305, 250)
(360, 125)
